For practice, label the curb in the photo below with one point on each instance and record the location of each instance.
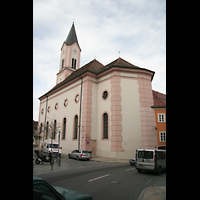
(142, 193)
(141, 197)
(109, 160)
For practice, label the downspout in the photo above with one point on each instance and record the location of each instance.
(80, 115)
(45, 118)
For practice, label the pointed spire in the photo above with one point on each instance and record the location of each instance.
(71, 38)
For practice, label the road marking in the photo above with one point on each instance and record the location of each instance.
(130, 169)
(99, 177)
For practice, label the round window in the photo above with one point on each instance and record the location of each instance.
(56, 106)
(105, 95)
(65, 102)
(76, 98)
(48, 109)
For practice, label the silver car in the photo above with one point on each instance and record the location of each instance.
(80, 154)
(132, 161)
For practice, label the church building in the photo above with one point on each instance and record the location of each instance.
(102, 108)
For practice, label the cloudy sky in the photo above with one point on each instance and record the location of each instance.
(136, 28)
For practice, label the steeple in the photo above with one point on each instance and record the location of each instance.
(70, 56)
(72, 38)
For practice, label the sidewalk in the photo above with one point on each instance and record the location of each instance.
(153, 193)
(110, 160)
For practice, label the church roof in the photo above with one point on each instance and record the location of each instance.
(72, 38)
(96, 67)
(121, 63)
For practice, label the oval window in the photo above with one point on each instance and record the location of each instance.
(105, 95)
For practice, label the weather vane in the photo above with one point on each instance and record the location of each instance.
(119, 53)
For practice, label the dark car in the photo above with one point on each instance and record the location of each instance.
(43, 190)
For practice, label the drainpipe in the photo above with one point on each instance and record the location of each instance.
(80, 115)
(45, 118)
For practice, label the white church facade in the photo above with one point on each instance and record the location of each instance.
(104, 109)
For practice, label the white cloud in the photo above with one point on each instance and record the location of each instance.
(104, 27)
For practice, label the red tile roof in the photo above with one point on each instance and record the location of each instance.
(96, 67)
(159, 100)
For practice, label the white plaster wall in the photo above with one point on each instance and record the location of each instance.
(69, 112)
(103, 147)
(131, 124)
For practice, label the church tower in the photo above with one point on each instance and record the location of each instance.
(70, 56)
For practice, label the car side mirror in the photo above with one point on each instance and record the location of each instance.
(60, 147)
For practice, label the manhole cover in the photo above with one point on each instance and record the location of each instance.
(114, 182)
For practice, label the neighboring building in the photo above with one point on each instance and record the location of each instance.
(159, 107)
(113, 102)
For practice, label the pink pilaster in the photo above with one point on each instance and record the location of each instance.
(116, 117)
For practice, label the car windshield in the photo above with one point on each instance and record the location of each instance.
(86, 152)
(53, 145)
(145, 154)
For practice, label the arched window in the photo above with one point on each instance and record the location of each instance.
(40, 128)
(54, 130)
(105, 126)
(47, 130)
(62, 63)
(73, 63)
(75, 126)
(64, 128)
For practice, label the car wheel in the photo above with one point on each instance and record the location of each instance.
(69, 156)
(159, 170)
(77, 158)
(51, 161)
(37, 161)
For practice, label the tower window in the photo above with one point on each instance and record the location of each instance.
(73, 63)
(62, 63)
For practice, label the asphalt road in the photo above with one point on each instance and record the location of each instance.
(106, 182)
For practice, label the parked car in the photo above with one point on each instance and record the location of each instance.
(132, 161)
(43, 190)
(151, 160)
(80, 154)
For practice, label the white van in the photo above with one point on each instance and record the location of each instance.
(48, 147)
(150, 159)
